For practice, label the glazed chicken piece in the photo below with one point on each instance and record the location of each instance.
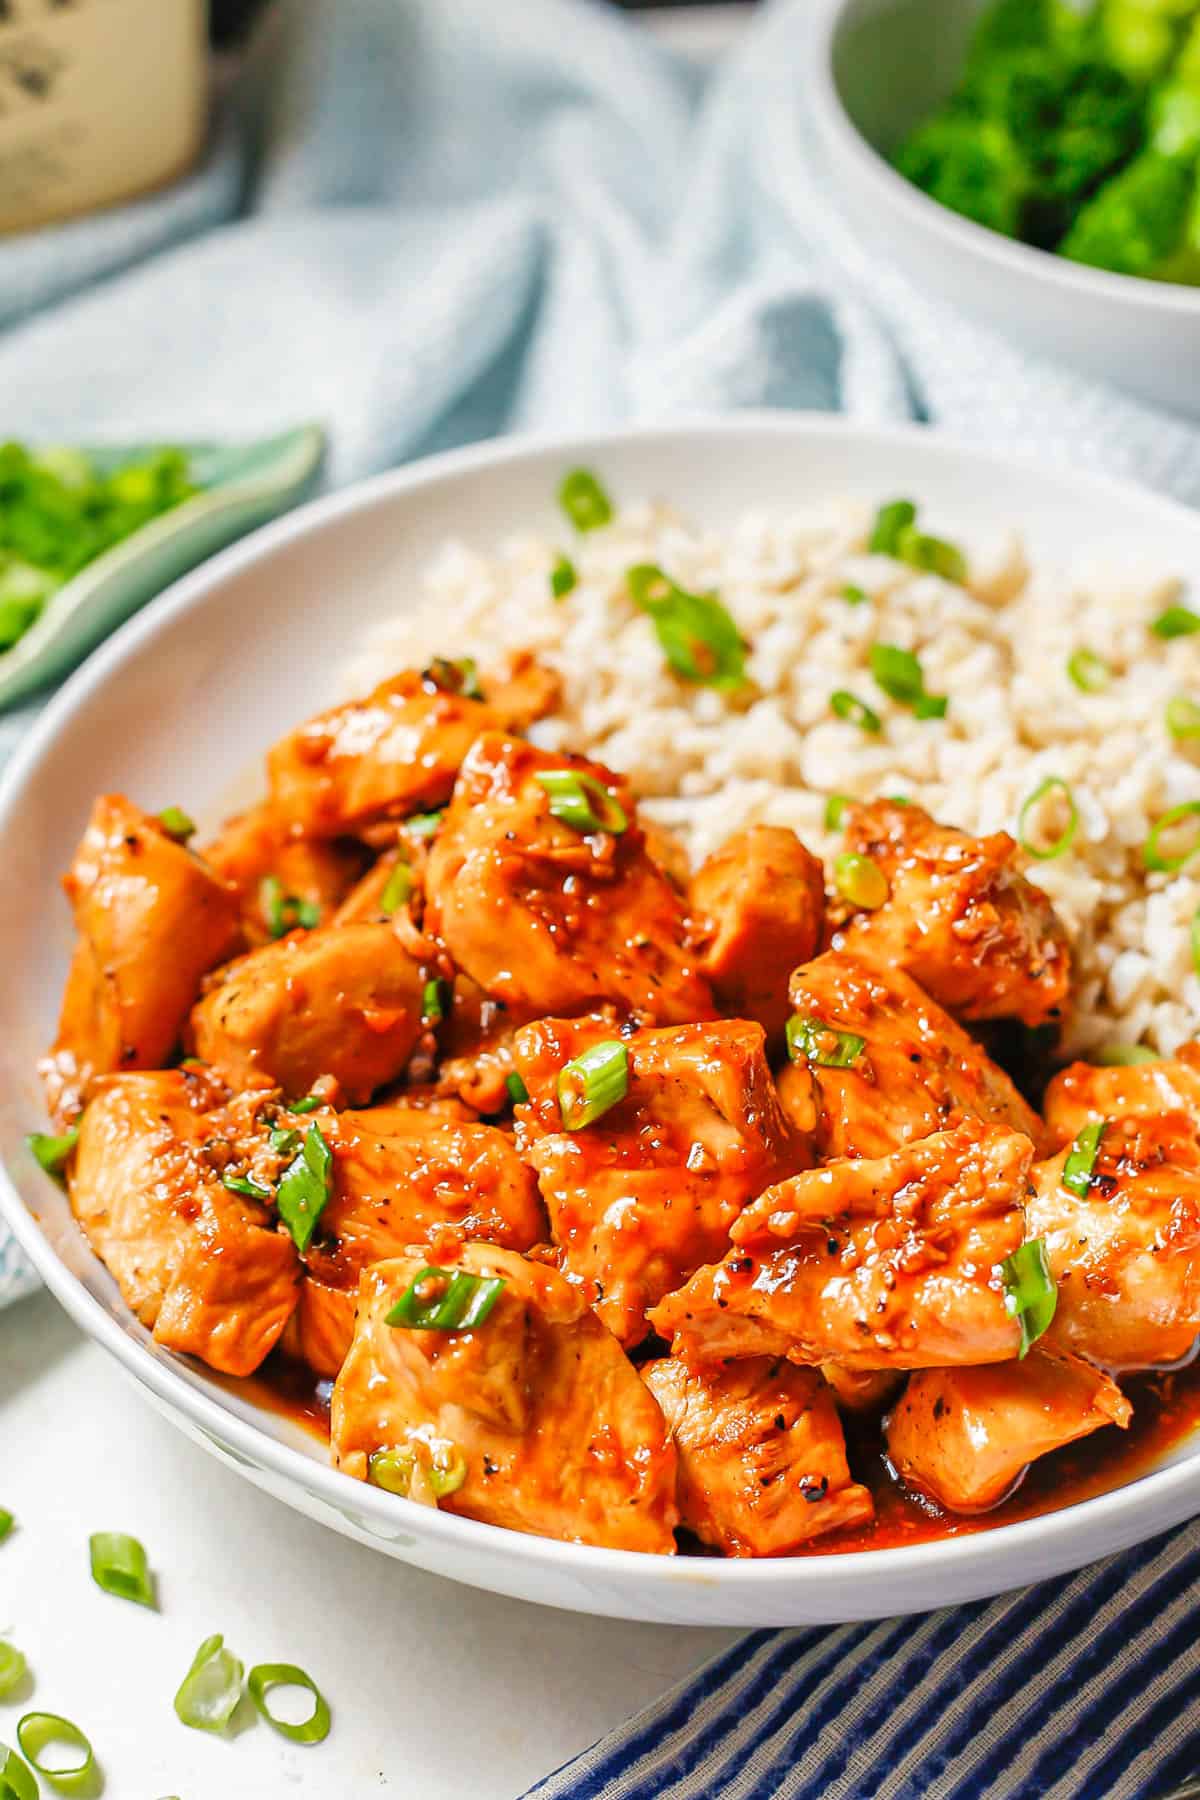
(344, 1001)
(1144, 1090)
(1125, 1253)
(276, 875)
(966, 1437)
(759, 905)
(916, 1072)
(648, 1192)
(961, 918)
(889, 1264)
(536, 1414)
(762, 1459)
(207, 1270)
(152, 919)
(547, 918)
(400, 1176)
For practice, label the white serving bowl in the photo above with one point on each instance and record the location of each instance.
(186, 697)
(877, 67)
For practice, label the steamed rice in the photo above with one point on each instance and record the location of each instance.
(705, 764)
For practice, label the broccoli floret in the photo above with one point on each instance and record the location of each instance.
(1020, 25)
(1135, 37)
(970, 166)
(1140, 222)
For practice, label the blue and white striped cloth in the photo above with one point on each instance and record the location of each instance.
(1085, 1688)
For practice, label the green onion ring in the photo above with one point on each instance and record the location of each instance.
(1080, 1165)
(581, 801)
(305, 1188)
(308, 1104)
(1053, 784)
(433, 1002)
(853, 595)
(1183, 717)
(897, 671)
(245, 1184)
(119, 1567)
(890, 521)
(38, 1729)
(698, 635)
(177, 824)
(209, 1692)
(1176, 621)
(518, 1093)
(12, 1668)
(1030, 1293)
(1124, 1056)
(1090, 673)
(421, 825)
(7, 1521)
(835, 808)
(53, 1153)
(462, 1301)
(584, 500)
(397, 889)
(593, 1082)
(564, 577)
(810, 1040)
(860, 881)
(854, 711)
(16, 1781)
(1153, 857)
(265, 1676)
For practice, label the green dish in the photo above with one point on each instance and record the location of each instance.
(243, 486)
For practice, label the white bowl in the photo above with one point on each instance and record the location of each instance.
(187, 696)
(877, 67)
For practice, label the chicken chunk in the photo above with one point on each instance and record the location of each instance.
(536, 1414)
(401, 1175)
(966, 1437)
(279, 877)
(1125, 1255)
(204, 1268)
(549, 919)
(760, 909)
(961, 918)
(648, 1192)
(344, 1001)
(1144, 1090)
(152, 919)
(917, 1072)
(889, 1264)
(762, 1460)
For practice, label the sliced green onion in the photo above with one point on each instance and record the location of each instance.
(305, 1188)
(1125, 1056)
(209, 1692)
(835, 810)
(1030, 1294)
(265, 1676)
(1081, 1163)
(1089, 672)
(860, 881)
(584, 501)
(930, 706)
(564, 577)
(1176, 621)
(897, 799)
(309, 1104)
(855, 711)
(446, 1300)
(12, 1668)
(448, 1475)
(422, 825)
(580, 801)
(518, 1093)
(592, 1083)
(1053, 784)
(245, 1184)
(433, 1002)
(53, 1152)
(177, 824)
(7, 1521)
(284, 1140)
(16, 1781)
(37, 1731)
(853, 595)
(392, 1470)
(1183, 717)
(1154, 858)
(698, 636)
(890, 521)
(119, 1566)
(397, 889)
(810, 1040)
(932, 554)
(898, 672)
(459, 675)
(286, 912)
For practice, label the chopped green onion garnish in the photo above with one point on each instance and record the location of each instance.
(934, 554)
(897, 799)
(1030, 1294)
(53, 1152)
(119, 1566)
(245, 1184)
(1176, 621)
(1077, 1170)
(930, 706)
(286, 912)
(580, 801)
(209, 1692)
(177, 824)
(698, 636)
(305, 1188)
(16, 1781)
(433, 1002)
(1154, 858)
(835, 808)
(584, 501)
(890, 521)
(859, 880)
(563, 577)
(811, 1040)
(1183, 717)
(422, 825)
(1124, 1056)
(1053, 784)
(446, 1300)
(855, 711)
(6, 1523)
(448, 1475)
(397, 889)
(1089, 672)
(853, 594)
(12, 1668)
(518, 1093)
(265, 1676)
(37, 1731)
(283, 1140)
(592, 1083)
(391, 1470)
(457, 676)
(897, 672)
(309, 1104)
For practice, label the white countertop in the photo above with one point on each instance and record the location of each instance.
(436, 1689)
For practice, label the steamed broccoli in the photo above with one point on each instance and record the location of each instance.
(1143, 222)
(970, 166)
(1139, 37)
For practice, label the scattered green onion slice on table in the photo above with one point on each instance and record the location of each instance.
(1053, 784)
(854, 711)
(305, 1187)
(397, 889)
(853, 595)
(422, 825)
(1176, 621)
(286, 912)
(433, 1001)
(835, 810)
(518, 1093)
(245, 1184)
(1124, 1056)
(37, 1731)
(52, 1151)
(16, 1781)
(890, 521)
(860, 881)
(698, 636)
(898, 672)
(1089, 672)
(446, 1300)
(177, 824)
(1080, 1165)
(1030, 1293)
(308, 1104)
(581, 801)
(1183, 717)
(7, 1522)
(584, 500)
(593, 1082)
(12, 1668)
(932, 555)
(119, 1566)
(1154, 857)
(810, 1040)
(564, 577)
(265, 1676)
(209, 1692)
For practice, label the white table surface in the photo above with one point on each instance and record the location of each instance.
(436, 1689)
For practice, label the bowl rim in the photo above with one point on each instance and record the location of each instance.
(991, 1559)
(961, 235)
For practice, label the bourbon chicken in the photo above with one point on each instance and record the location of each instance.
(629, 1204)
